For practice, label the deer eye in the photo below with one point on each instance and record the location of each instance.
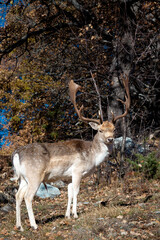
(100, 131)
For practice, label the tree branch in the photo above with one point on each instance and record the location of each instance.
(76, 5)
(99, 97)
(23, 40)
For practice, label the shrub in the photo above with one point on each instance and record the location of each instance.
(149, 165)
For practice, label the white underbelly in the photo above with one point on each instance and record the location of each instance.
(59, 173)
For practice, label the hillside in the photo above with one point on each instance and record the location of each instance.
(126, 209)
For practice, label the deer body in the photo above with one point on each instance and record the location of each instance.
(72, 159)
(47, 162)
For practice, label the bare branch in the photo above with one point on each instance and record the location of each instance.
(99, 97)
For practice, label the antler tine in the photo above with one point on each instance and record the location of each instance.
(73, 89)
(127, 100)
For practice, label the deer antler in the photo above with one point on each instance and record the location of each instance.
(73, 89)
(126, 103)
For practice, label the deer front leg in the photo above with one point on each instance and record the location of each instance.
(76, 178)
(70, 198)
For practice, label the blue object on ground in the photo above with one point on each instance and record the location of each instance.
(50, 192)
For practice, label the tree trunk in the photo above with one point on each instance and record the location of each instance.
(122, 63)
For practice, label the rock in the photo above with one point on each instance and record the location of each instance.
(6, 208)
(79, 204)
(135, 233)
(124, 221)
(7, 197)
(49, 192)
(151, 224)
(97, 203)
(86, 203)
(124, 233)
(53, 229)
(129, 144)
(157, 212)
(141, 204)
(3, 198)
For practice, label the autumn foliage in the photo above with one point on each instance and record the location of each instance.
(46, 43)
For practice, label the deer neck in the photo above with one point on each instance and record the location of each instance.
(100, 150)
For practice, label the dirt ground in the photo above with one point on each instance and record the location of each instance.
(126, 209)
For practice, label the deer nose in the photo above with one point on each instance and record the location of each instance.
(110, 140)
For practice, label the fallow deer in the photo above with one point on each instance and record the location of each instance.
(72, 159)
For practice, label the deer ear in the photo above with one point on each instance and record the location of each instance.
(94, 125)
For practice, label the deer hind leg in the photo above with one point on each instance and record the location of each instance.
(30, 192)
(76, 178)
(19, 199)
(70, 198)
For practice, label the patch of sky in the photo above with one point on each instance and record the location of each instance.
(46, 105)
(22, 100)
(3, 129)
(3, 12)
(105, 47)
(4, 8)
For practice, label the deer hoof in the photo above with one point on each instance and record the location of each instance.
(75, 216)
(20, 228)
(34, 227)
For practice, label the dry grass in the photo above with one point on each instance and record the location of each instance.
(117, 211)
